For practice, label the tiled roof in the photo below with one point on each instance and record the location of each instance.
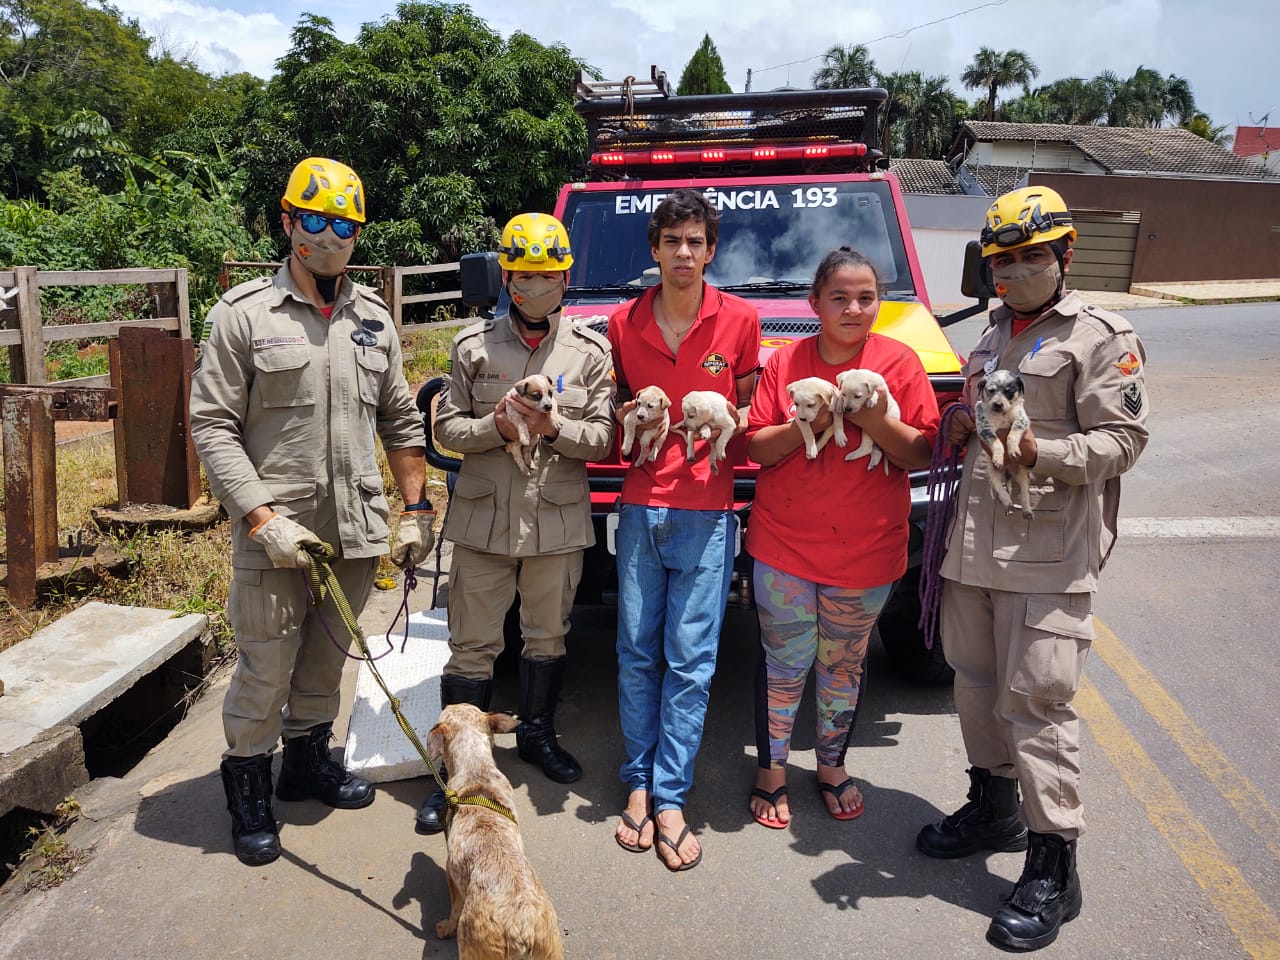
(995, 179)
(925, 176)
(1130, 149)
(1252, 141)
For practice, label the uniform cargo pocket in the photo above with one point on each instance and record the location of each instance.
(376, 508)
(1049, 654)
(295, 499)
(1047, 383)
(1042, 539)
(372, 366)
(485, 395)
(572, 401)
(471, 512)
(283, 376)
(564, 511)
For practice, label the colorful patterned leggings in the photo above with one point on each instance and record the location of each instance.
(802, 622)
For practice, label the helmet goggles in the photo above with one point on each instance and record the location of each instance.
(1017, 232)
(315, 223)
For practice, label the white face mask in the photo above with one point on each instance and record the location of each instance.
(537, 297)
(1025, 287)
(324, 254)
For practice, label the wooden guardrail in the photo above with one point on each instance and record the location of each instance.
(389, 282)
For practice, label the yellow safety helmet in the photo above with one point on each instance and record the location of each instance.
(535, 242)
(1026, 216)
(325, 186)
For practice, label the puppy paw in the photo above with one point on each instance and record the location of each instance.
(446, 929)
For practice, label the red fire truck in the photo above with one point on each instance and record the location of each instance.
(793, 174)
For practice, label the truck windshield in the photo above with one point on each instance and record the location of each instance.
(772, 234)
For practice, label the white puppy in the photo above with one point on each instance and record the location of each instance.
(538, 391)
(651, 407)
(1000, 407)
(811, 396)
(705, 411)
(856, 389)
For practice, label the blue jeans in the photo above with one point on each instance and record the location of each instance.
(673, 581)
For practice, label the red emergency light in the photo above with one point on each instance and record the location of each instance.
(778, 152)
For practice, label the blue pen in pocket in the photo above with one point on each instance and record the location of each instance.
(560, 382)
(1036, 348)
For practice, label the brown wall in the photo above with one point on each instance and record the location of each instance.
(1190, 229)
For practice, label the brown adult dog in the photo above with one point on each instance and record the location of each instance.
(538, 391)
(499, 910)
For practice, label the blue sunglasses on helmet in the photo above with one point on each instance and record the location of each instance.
(316, 222)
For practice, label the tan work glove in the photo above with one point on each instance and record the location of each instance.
(284, 539)
(415, 536)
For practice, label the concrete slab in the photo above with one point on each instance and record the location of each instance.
(377, 747)
(43, 773)
(74, 667)
(1211, 291)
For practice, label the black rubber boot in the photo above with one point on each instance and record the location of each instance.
(309, 772)
(247, 782)
(453, 689)
(989, 821)
(536, 735)
(1047, 896)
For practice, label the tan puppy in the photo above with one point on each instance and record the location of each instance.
(703, 412)
(499, 910)
(541, 393)
(652, 405)
(857, 389)
(811, 396)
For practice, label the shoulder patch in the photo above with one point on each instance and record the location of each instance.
(1112, 321)
(245, 290)
(587, 333)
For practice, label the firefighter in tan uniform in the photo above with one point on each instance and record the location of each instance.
(299, 374)
(1017, 601)
(515, 533)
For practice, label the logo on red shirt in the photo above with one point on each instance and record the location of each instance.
(715, 364)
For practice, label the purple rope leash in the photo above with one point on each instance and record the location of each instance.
(944, 479)
(410, 581)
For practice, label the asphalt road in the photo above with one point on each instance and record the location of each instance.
(1182, 857)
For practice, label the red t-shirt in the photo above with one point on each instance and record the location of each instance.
(828, 520)
(722, 345)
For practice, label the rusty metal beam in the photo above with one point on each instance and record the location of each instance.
(72, 403)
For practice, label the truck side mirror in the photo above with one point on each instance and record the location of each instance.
(481, 277)
(975, 278)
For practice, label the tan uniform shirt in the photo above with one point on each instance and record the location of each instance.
(495, 507)
(285, 407)
(1082, 369)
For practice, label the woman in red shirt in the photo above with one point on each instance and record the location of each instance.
(829, 536)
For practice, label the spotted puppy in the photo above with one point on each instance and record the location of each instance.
(811, 396)
(703, 412)
(537, 391)
(652, 405)
(856, 389)
(1000, 407)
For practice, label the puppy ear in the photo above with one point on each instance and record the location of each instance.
(1018, 382)
(982, 384)
(435, 744)
(502, 722)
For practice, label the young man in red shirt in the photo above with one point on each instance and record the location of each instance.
(676, 529)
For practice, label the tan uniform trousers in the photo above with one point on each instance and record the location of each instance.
(286, 659)
(481, 588)
(1018, 660)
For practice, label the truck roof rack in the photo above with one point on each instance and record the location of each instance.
(625, 89)
(808, 118)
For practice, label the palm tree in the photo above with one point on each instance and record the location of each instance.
(843, 67)
(993, 70)
(1075, 100)
(904, 90)
(1202, 126)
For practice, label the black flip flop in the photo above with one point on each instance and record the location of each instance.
(836, 790)
(675, 848)
(773, 823)
(639, 829)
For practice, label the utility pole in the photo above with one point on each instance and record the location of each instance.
(748, 86)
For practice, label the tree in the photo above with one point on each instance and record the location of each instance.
(921, 115)
(994, 70)
(844, 67)
(704, 73)
(1202, 126)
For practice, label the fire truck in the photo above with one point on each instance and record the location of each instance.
(793, 175)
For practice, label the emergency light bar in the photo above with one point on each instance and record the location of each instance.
(773, 152)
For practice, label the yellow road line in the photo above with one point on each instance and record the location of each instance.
(1246, 914)
(1247, 800)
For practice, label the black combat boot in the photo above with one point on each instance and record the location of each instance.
(453, 689)
(536, 735)
(247, 782)
(1047, 896)
(989, 821)
(310, 772)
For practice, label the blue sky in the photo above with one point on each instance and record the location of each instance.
(1228, 54)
